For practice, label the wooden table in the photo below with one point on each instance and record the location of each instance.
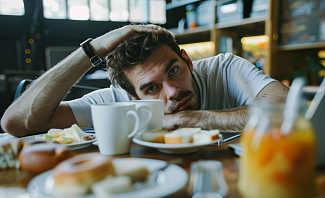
(230, 161)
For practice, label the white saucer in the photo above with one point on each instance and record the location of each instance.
(42, 186)
(72, 146)
(174, 148)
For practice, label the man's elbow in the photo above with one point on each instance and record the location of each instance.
(11, 127)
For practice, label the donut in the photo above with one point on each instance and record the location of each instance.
(38, 158)
(29, 143)
(76, 175)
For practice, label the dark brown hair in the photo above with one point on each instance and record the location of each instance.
(133, 51)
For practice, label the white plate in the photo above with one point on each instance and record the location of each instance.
(72, 146)
(174, 148)
(42, 186)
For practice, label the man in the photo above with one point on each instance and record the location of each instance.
(148, 64)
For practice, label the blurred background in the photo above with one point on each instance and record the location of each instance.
(284, 39)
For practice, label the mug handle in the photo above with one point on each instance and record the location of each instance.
(137, 122)
(148, 119)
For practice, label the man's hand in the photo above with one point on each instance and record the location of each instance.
(106, 43)
(225, 120)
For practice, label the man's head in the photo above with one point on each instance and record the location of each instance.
(151, 66)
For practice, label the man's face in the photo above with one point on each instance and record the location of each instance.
(165, 76)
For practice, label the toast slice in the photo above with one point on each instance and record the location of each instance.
(181, 136)
(206, 137)
(154, 135)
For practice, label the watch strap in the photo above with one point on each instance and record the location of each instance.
(86, 47)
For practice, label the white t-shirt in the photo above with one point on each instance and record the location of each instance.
(216, 78)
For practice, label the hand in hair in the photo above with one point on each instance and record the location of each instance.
(106, 43)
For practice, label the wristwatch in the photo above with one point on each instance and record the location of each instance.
(86, 47)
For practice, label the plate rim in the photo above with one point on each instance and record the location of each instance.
(183, 176)
(72, 144)
(138, 140)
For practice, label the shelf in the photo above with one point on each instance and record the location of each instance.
(302, 46)
(179, 3)
(242, 22)
(199, 34)
(186, 32)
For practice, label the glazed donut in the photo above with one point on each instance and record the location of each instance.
(38, 158)
(75, 176)
(29, 143)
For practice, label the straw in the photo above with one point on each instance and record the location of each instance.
(292, 105)
(264, 121)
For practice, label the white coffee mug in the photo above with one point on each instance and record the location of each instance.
(115, 124)
(157, 109)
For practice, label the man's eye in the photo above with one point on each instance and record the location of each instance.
(151, 89)
(173, 71)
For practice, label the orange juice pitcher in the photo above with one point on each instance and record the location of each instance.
(274, 163)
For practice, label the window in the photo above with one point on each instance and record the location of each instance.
(55, 9)
(99, 10)
(119, 10)
(157, 11)
(139, 11)
(153, 11)
(12, 7)
(78, 10)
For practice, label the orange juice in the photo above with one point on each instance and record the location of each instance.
(278, 165)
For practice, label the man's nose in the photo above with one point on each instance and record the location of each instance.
(171, 90)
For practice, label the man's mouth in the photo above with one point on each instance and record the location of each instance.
(183, 104)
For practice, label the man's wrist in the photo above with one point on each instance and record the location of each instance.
(95, 60)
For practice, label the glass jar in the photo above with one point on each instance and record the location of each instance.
(191, 16)
(275, 164)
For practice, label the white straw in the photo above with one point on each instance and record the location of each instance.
(292, 105)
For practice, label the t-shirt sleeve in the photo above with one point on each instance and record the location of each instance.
(217, 78)
(81, 107)
(254, 78)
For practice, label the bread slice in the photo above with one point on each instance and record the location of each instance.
(206, 137)
(132, 168)
(154, 135)
(181, 136)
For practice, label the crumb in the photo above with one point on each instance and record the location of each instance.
(89, 137)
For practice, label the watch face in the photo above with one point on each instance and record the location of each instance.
(96, 60)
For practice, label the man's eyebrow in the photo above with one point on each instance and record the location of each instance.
(144, 85)
(169, 64)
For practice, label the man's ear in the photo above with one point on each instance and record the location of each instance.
(187, 59)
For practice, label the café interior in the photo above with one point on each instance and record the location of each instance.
(285, 39)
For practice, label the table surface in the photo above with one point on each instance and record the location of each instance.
(230, 161)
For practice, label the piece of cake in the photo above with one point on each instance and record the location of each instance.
(206, 137)
(181, 136)
(154, 135)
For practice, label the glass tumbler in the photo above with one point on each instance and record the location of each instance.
(207, 180)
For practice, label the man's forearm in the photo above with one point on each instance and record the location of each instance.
(35, 108)
(224, 120)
